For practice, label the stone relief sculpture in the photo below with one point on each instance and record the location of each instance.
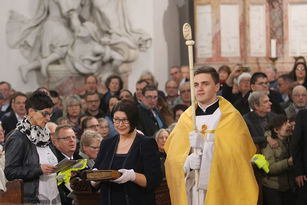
(80, 35)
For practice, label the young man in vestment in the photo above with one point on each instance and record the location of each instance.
(224, 145)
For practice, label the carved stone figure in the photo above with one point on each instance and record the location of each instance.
(80, 35)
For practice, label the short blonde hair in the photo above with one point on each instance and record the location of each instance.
(88, 137)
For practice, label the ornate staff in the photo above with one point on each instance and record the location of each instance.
(187, 35)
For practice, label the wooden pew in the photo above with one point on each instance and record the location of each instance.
(85, 196)
(13, 194)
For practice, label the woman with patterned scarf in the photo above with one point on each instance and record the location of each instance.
(29, 155)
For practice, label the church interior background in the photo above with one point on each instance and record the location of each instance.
(256, 33)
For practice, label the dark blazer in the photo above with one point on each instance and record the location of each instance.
(299, 144)
(9, 122)
(143, 157)
(257, 126)
(62, 189)
(148, 123)
(22, 162)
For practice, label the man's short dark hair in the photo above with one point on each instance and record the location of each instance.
(149, 88)
(54, 93)
(7, 83)
(131, 110)
(90, 93)
(208, 70)
(17, 94)
(276, 122)
(257, 75)
(286, 78)
(108, 81)
(39, 101)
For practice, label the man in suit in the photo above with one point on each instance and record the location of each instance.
(65, 144)
(10, 119)
(150, 118)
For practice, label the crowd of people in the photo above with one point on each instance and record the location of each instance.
(41, 128)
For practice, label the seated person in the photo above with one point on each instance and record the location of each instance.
(161, 137)
(89, 146)
(65, 143)
(104, 127)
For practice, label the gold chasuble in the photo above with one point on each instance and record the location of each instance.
(232, 180)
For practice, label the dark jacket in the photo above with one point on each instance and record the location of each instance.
(9, 122)
(64, 192)
(143, 157)
(299, 144)
(257, 126)
(22, 162)
(148, 123)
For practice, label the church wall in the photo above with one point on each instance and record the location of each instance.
(159, 18)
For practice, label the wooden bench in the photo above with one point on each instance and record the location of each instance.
(85, 196)
(13, 194)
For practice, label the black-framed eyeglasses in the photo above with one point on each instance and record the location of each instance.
(149, 97)
(44, 113)
(118, 121)
(67, 138)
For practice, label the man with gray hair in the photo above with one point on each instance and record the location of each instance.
(258, 118)
(299, 101)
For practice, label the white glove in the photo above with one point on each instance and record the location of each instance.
(194, 161)
(127, 175)
(196, 140)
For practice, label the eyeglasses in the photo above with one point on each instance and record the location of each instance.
(118, 121)
(73, 106)
(149, 97)
(173, 87)
(93, 147)
(300, 68)
(185, 91)
(67, 138)
(263, 83)
(44, 113)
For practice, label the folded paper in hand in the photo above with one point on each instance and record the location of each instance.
(65, 164)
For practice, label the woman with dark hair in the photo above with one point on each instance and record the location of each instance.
(178, 110)
(132, 154)
(29, 155)
(224, 71)
(165, 110)
(298, 73)
(279, 184)
(126, 95)
(114, 84)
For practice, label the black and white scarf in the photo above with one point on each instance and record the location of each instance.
(38, 136)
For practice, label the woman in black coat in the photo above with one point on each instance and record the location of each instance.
(29, 155)
(132, 154)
